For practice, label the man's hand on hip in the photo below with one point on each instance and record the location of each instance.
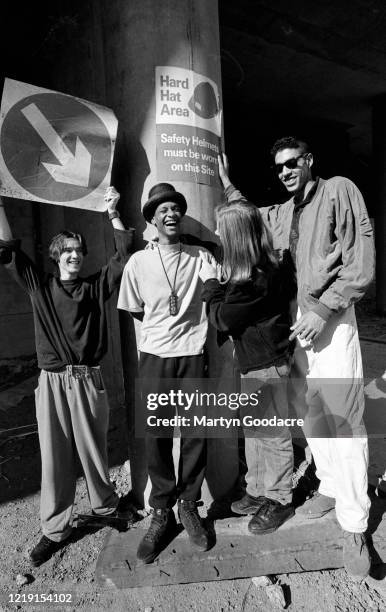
(308, 327)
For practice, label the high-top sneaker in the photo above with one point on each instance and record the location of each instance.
(190, 519)
(163, 525)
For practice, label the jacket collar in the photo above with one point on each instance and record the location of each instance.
(300, 202)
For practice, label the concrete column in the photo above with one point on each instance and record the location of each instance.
(379, 170)
(138, 36)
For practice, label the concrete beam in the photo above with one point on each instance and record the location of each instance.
(300, 545)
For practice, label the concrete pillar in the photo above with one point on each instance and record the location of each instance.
(379, 170)
(138, 36)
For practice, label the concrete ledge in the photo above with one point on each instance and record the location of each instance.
(300, 545)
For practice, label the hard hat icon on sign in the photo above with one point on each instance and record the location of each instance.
(203, 101)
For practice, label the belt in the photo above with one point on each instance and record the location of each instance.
(80, 371)
(77, 371)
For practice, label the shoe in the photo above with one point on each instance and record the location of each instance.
(190, 519)
(163, 525)
(248, 504)
(356, 556)
(124, 512)
(270, 516)
(43, 551)
(128, 502)
(317, 506)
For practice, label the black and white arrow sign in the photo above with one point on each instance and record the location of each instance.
(72, 169)
(55, 148)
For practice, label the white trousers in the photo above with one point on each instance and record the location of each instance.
(328, 393)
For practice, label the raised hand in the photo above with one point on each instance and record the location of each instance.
(223, 170)
(111, 197)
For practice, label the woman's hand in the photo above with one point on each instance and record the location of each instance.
(223, 170)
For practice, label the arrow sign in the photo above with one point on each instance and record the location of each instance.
(73, 169)
(55, 148)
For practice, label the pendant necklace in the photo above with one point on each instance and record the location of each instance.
(173, 299)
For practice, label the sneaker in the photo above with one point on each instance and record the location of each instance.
(270, 516)
(163, 525)
(356, 556)
(317, 506)
(190, 519)
(43, 551)
(247, 504)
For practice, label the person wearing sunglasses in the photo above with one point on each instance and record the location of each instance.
(326, 227)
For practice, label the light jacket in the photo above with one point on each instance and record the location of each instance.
(335, 256)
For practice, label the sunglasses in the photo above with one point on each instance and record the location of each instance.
(290, 164)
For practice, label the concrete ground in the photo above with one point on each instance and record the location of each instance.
(72, 570)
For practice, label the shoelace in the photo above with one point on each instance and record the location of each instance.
(192, 517)
(156, 523)
(358, 538)
(267, 507)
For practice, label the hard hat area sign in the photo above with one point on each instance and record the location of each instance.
(55, 148)
(188, 117)
(61, 141)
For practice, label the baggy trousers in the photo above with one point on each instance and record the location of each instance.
(159, 450)
(73, 413)
(268, 450)
(328, 393)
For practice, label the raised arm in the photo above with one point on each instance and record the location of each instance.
(7, 242)
(112, 198)
(5, 230)
(272, 215)
(18, 263)
(231, 193)
(111, 273)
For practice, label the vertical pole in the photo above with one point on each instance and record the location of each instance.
(139, 36)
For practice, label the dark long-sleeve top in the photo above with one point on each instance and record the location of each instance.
(256, 314)
(69, 316)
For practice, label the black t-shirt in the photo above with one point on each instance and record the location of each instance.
(69, 316)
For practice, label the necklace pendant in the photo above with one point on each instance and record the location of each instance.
(173, 304)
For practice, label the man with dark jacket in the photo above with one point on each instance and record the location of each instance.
(71, 404)
(327, 230)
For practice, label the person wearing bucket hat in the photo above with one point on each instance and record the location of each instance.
(162, 288)
(162, 192)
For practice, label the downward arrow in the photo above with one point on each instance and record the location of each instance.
(73, 169)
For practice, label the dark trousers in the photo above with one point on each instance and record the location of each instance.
(165, 491)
